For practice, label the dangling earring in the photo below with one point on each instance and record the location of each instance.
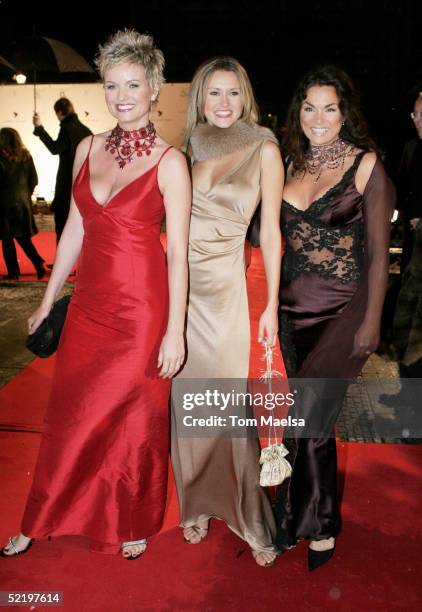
(153, 99)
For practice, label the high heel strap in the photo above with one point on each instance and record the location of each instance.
(12, 545)
(134, 543)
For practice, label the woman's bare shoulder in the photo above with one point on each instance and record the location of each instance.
(172, 157)
(365, 168)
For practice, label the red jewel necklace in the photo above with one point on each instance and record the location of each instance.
(125, 144)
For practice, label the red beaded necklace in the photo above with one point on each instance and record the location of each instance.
(125, 144)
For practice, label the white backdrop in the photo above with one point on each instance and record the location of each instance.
(17, 106)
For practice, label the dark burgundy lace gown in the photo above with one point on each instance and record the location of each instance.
(330, 271)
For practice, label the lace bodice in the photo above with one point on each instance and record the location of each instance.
(336, 251)
(328, 237)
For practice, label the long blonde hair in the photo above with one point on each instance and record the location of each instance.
(195, 113)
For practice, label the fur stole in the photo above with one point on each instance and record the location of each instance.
(211, 142)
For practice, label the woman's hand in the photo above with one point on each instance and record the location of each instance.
(366, 340)
(37, 318)
(268, 326)
(171, 355)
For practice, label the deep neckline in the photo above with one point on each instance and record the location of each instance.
(230, 172)
(329, 191)
(121, 190)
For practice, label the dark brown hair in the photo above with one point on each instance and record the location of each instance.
(11, 145)
(64, 106)
(354, 129)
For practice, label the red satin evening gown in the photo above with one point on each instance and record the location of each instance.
(102, 467)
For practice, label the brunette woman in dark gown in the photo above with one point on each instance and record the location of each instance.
(336, 211)
(18, 179)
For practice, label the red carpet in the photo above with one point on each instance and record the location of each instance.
(45, 243)
(23, 399)
(376, 565)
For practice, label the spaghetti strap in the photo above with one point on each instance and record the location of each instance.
(357, 161)
(85, 163)
(163, 153)
(90, 145)
(89, 150)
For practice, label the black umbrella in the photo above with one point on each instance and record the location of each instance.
(46, 59)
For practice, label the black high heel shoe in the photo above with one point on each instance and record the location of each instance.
(41, 272)
(16, 552)
(316, 558)
(14, 277)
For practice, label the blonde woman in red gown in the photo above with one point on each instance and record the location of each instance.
(102, 467)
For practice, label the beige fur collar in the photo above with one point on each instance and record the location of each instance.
(211, 142)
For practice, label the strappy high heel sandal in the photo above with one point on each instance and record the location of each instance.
(268, 563)
(16, 551)
(133, 543)
(201, 531)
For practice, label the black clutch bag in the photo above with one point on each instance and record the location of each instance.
(45, 340)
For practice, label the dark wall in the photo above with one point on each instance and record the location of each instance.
(378, 42)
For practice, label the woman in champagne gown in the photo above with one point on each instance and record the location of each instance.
(336, 211)
(102, 466)
(235, 163)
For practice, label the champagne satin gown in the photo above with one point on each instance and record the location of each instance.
(102, 466)
(217, 476)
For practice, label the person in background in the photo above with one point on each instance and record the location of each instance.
(407, 330)
(409, 205)
(72, 131)
(18, 179)
(409, 183)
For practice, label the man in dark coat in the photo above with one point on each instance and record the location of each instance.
(72, 131)
(409, 204)
(409, 184)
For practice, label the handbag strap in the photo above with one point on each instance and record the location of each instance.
(267, 376)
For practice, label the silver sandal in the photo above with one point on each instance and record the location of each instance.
(199, 531)
(134, 543)
(11, 546)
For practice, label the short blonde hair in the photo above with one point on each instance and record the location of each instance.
(196, 104)
(135, 48)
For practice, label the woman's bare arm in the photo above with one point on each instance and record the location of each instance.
(175, 185)
(68, 249)
(272, 181)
